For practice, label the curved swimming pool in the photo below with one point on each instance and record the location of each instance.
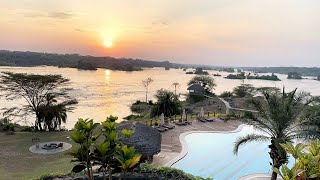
(210, 154)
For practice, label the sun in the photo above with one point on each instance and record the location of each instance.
(107, 43)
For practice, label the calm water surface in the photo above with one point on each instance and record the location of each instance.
(104, 92)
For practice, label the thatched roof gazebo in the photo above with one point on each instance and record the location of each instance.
(196, 89)
(147, 141)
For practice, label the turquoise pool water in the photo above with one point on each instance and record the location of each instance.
(211, 155)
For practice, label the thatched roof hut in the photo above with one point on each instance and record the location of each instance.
(196, 89)
(147, 141)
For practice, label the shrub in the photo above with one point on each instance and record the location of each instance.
(244, 90)
(226, 94)
(137, 102)
(139, 108)
(28, 129)
(132, 117)
(307, 162)
(168, 172)
(9, 127)
(51, 176)
(192, 98)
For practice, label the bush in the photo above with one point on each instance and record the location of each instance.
(226, 94)
(137, 102)
(53, 175)
(9, 127)
(195, 98)
(139, 108)
(28, 129)
(167, 172)
(132, 117)
(244, 90)
(306, 164)
(150, 102)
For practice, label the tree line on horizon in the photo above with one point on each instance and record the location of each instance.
(29, 59)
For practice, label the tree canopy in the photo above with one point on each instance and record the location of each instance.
(35, 90)
(167, 103)
(244, 90)
(204, 80)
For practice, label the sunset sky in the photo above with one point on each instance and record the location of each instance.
(213, 32)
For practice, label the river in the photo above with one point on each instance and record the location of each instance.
(104, 92)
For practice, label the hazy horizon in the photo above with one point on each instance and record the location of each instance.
(220, 33)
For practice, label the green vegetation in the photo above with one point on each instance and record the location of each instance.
(226, 94)
(307, 163)
(86, 65)
(236, 76)
(231, 70)
(265, 77)
(167, 103)
(40, 91)
(133, 117)
(18, 58)
(263, 89)
(280, 120)
(141, 107)
(167, 173)
(204, 80)
(294, 75)
(200, 71)
(18, 163)
(146, 84)
(53, 113)
(242, 75)
(304, 71)
(244, 90)
(109, 153)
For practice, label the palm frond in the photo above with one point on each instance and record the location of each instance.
(248, 138)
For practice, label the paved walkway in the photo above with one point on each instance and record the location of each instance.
(171, 146)
(228, 107)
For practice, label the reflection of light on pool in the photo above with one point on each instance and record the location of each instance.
(211, 155)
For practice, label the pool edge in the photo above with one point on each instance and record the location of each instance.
(184, 145)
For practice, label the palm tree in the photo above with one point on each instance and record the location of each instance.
(167, 103)
(146, 84)
(52, 115)
(175, 84)
(280, 120)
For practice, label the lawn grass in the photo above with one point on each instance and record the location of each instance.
(17, 162)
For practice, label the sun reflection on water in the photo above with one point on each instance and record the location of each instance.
(107, 73)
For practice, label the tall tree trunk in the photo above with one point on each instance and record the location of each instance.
(38, 123)
(277, 159)
(274, 175)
